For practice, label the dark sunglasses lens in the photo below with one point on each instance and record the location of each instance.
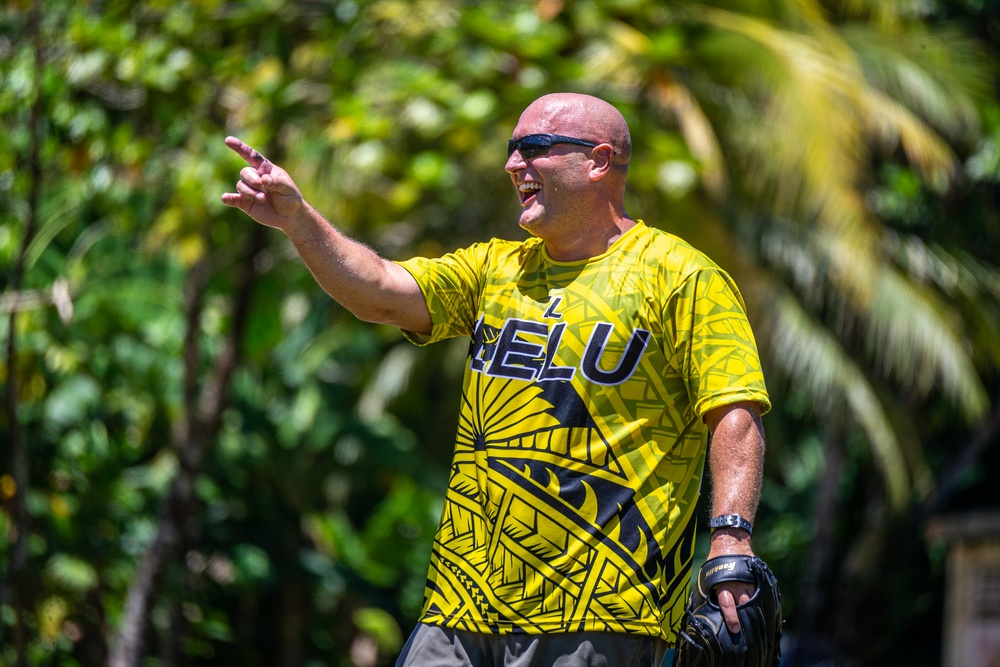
(529, 147)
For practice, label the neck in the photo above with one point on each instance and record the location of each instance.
(595, 241)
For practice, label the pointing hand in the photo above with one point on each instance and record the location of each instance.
(265, 191)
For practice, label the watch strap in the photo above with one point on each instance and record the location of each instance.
(730, 521)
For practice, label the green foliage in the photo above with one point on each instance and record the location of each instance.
(840, 159)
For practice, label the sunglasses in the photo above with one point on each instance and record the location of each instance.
(535, 145)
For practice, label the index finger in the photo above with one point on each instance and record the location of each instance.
(727, 605)
(249, 154)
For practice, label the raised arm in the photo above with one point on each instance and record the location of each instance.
(373, 288)
(736, 465)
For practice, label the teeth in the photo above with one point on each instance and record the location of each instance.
(529, 187)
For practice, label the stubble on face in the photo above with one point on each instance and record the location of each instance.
(561, 202)
(551, 173)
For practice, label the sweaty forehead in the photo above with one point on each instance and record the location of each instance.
(551, 117)
(578, 115)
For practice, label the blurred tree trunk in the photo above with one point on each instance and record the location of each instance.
(170, 652)
(293, 623)
(968, 456)
(294, 598)
(204, 402)
(814, 597)
(11, 590)
(859, 610)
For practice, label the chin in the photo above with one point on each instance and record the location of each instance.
(529, 222)
(528, 227)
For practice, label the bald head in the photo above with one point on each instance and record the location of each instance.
(584, 117)
(572, 196)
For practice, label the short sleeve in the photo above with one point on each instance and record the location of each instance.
(451, 285)
(714, 346)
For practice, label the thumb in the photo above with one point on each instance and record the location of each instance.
(279, 183)
(282, 192)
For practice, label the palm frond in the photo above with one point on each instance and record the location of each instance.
(56, 212)
(676, 101)
(913, 335)
(816, 363)
(805, 150)
(968, 282)
(916, 339)
(390, 380)
(890, 122)
(937, 74)
(886, 14)
(614, 59)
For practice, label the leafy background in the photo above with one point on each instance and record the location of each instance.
(207, 461)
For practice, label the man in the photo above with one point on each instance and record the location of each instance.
(603, 353)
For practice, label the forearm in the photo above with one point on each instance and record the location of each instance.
(736, 462)
(736, 465)
(371, 287)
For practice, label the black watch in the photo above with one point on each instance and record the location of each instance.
(730, 521)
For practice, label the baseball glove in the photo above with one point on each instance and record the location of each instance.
(704, 640)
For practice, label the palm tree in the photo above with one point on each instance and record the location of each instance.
(792, 114)
(785, 115)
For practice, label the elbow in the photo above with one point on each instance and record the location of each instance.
(413, 320)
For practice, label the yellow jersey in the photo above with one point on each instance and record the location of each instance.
(581, 445)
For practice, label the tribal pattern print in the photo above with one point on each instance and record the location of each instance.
(580, 447)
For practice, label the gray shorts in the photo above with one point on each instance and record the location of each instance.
(433, 646)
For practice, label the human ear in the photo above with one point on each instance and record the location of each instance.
(603, 155)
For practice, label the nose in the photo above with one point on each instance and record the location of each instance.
(515, 162)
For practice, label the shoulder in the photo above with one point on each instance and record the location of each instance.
(482, 252)
(673, 257)
(497, 248)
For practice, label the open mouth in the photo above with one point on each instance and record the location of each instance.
(527, 191)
